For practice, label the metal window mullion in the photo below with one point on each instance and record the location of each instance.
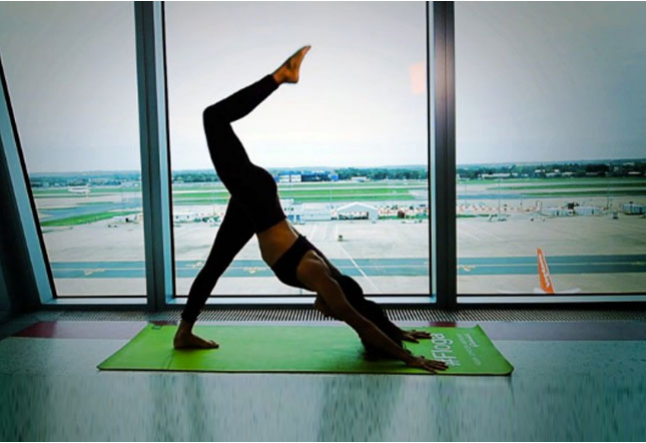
(430, 112)
(27, 244)
(444, 137)
(154, 153)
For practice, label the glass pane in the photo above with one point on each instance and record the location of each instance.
(551, 147)
(72, 78)
(347, 145)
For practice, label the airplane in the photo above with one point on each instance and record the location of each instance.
(547, 286)
(79, 190)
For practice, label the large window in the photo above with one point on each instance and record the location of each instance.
(71, 74)
(551, 147)
(347, 145)
(550, 140)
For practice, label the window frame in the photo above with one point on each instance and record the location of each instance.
(157, 196)
(489, 300)
(399, 298)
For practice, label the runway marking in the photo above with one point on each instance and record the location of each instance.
(87, 269)
(92, 271)
(392, 263)
(360, 270)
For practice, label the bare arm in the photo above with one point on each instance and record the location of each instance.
(315, 274)
(391, 329)
(330, 291)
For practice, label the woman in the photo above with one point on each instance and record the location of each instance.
(254, 208)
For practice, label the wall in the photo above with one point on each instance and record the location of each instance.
(18, 292)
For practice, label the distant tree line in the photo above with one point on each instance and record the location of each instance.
(195, 177)
(619, 168)
(63, 180)
(384, 173)
(343, 174)
(615, 168)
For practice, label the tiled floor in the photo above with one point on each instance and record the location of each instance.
(572, 381)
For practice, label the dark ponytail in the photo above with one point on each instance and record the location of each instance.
(373, 312)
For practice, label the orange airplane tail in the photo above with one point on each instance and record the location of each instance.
(544, 274)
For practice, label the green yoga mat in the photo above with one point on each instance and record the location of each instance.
(326, 349)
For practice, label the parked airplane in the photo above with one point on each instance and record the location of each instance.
(79, 190)
(547, 287)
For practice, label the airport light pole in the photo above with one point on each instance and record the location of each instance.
(499, 198)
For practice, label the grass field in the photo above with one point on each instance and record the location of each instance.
(600, 186)
(305, 196)
(300, 193)
(219, 187)
(598, 181)
(379, 192)
(320, 199)
(588, 193)
(84, 219)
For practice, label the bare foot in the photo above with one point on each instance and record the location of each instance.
(191, 341)
(288, 71)
(185, 339)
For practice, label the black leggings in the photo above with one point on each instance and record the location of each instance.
(248, 185)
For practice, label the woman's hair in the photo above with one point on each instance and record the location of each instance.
(372, 311)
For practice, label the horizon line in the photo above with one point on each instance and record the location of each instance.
(349, 167)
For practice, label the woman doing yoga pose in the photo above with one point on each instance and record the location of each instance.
(254, 208)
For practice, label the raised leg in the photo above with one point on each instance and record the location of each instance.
(227, 153)
(242, 102)
(229, 156)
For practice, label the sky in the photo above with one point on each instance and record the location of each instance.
(534, 81)
(550, 81)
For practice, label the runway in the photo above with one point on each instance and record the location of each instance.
(572, 264)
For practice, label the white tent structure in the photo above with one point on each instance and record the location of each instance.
(357, 211)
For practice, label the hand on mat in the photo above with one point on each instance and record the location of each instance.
(413, 336)
(429, 365)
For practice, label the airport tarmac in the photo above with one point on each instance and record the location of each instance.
(398, 244)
